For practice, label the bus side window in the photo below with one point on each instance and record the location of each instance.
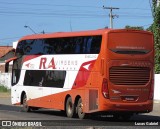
(28, 79)
(19, 49)
(28, 46)
(89, 42)
(48, 47)
(77, 48)
(96, 44)
(54, 79)
(78, 45)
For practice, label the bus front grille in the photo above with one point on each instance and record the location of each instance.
(128, 75)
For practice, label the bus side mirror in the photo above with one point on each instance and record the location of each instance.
(7, 67)
(7, 64)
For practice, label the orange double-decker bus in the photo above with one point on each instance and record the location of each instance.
(106, 71)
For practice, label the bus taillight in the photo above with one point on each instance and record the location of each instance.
(105, 91)
(151, 93)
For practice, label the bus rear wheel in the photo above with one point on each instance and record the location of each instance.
(80, 109)
(70, 108)
(25, 106)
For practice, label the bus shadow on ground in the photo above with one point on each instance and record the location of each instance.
(134, 118)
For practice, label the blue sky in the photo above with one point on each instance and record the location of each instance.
(67, 15)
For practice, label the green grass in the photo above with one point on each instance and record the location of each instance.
(4, 89)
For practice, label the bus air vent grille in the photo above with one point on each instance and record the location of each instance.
(128, 75)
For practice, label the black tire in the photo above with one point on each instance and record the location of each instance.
(70, 108)
(25, 106)
(80, 112)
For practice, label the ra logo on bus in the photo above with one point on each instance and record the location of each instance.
(44, 65)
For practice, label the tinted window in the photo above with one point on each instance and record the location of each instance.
(45, 78)
(16, 71)
(69, 45)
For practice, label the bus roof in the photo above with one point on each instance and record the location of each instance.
(78, 33)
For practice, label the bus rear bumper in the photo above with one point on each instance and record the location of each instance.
(142, 107)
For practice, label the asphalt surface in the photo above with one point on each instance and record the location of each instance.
(57, 119)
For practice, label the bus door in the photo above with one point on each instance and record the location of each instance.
(15, 78)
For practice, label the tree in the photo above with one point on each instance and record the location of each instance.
(156, 31)
(150, 28)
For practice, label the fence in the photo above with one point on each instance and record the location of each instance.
(157, 87)
(5, 79)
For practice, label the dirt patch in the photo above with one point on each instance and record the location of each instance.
(5, 95)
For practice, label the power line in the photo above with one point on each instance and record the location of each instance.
(146, 25)
(135, 9)
(49, 14)
(73, 15)
(59, 5)
(34, 12)
(32, 4)
(10, 38)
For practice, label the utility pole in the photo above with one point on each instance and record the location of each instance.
(111, 16)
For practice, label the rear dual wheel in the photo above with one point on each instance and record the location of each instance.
(80, 108)
(72, 110)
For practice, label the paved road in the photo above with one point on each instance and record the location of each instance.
(57, 118)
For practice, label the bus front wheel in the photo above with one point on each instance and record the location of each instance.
(25, 106)
(80, 109)
(69, 108)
